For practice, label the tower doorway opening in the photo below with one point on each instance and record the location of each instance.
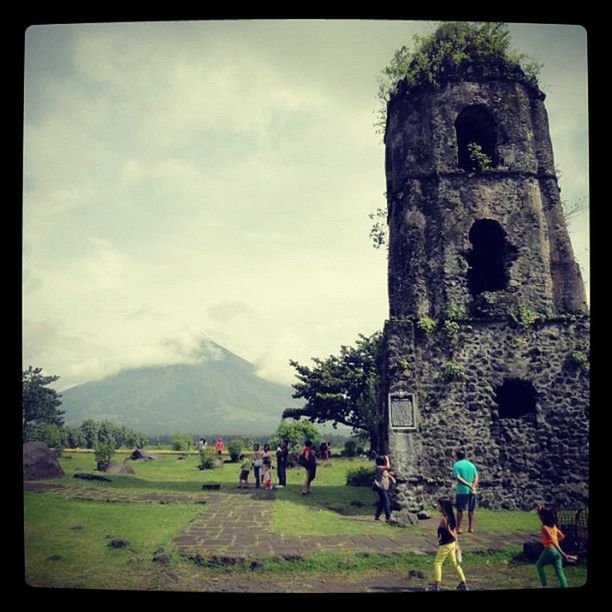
(490, 258)
(475, 125)
(515, 398)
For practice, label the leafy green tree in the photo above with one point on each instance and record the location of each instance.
(234, 448)
(107, 431)
(208, 458)
(40, 404)
(295, 432)
(343, 388)
(181, 442)
(49, 433)
(89, 429)
(74, 437)
(104, 452)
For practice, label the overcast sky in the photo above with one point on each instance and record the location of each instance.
(214, 179)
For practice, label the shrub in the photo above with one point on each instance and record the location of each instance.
(208, 457)
(480, 160)
(350, 449)
(426, 325)
(451, 328)
(234, 448)
(103, 453)
(452, 371)
(455, 312)
(580, 360)
(360, 477)
(526, 316)
(181, 442)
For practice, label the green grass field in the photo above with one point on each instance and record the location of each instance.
(66, 539)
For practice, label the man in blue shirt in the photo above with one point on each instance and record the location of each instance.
(466, 475)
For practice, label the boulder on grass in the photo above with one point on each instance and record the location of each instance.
(138, 453)
(114, 467)
(39, 461)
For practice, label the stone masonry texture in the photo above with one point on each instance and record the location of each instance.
(433, 204)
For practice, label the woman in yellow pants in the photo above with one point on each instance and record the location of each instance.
(448, 545)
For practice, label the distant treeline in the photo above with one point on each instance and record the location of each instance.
(182, 441)
(89, 434)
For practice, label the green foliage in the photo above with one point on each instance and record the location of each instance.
(479, 159)
(451, 328)
(351, 449)
(104, 451)
(580, 360)
(426, 325)
(379, 232)
(90, 433)
(360, 477)
(39, 403)
(295, 432)
(526, 316)
(74, 437)
(234, 448)
(452, 371)
(48, 433)
(181, 442)
(447, 53)
(208, 458)
(342, 389)
(455, 312)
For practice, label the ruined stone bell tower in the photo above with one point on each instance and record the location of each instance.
(487, 342)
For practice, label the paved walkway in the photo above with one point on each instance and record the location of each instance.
(236, 527)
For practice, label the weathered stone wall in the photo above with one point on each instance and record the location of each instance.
(429, 225)
(520, 460)
(432, 203)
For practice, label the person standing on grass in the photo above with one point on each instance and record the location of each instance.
(466, 475)
(257, 462)
(382, 480)
(550, 536)
(307, 458)
(448, 546)
(282, 456)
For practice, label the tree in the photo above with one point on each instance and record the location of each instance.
(342, 389)
(39, 403)
(48, 433)
(295, 432)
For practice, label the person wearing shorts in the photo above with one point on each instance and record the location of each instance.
(466, 475)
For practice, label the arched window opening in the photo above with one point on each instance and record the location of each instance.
(475, 124)
(516, 398)
(490, 258)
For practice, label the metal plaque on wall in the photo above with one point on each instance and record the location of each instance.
(402, 414)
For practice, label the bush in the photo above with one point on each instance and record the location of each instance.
(350, 449)
(452, 371)
(208, 458)
(103, 453)
(180, 442)
(426, 325)
(234, 448)
(360, 477)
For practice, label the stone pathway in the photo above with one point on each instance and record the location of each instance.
(230, 532)
(237, 527)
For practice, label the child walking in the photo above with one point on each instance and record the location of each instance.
(448, 546)
(550, 535)
(245, 466)
(267, 477)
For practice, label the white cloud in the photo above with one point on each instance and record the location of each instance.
(213, 178)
